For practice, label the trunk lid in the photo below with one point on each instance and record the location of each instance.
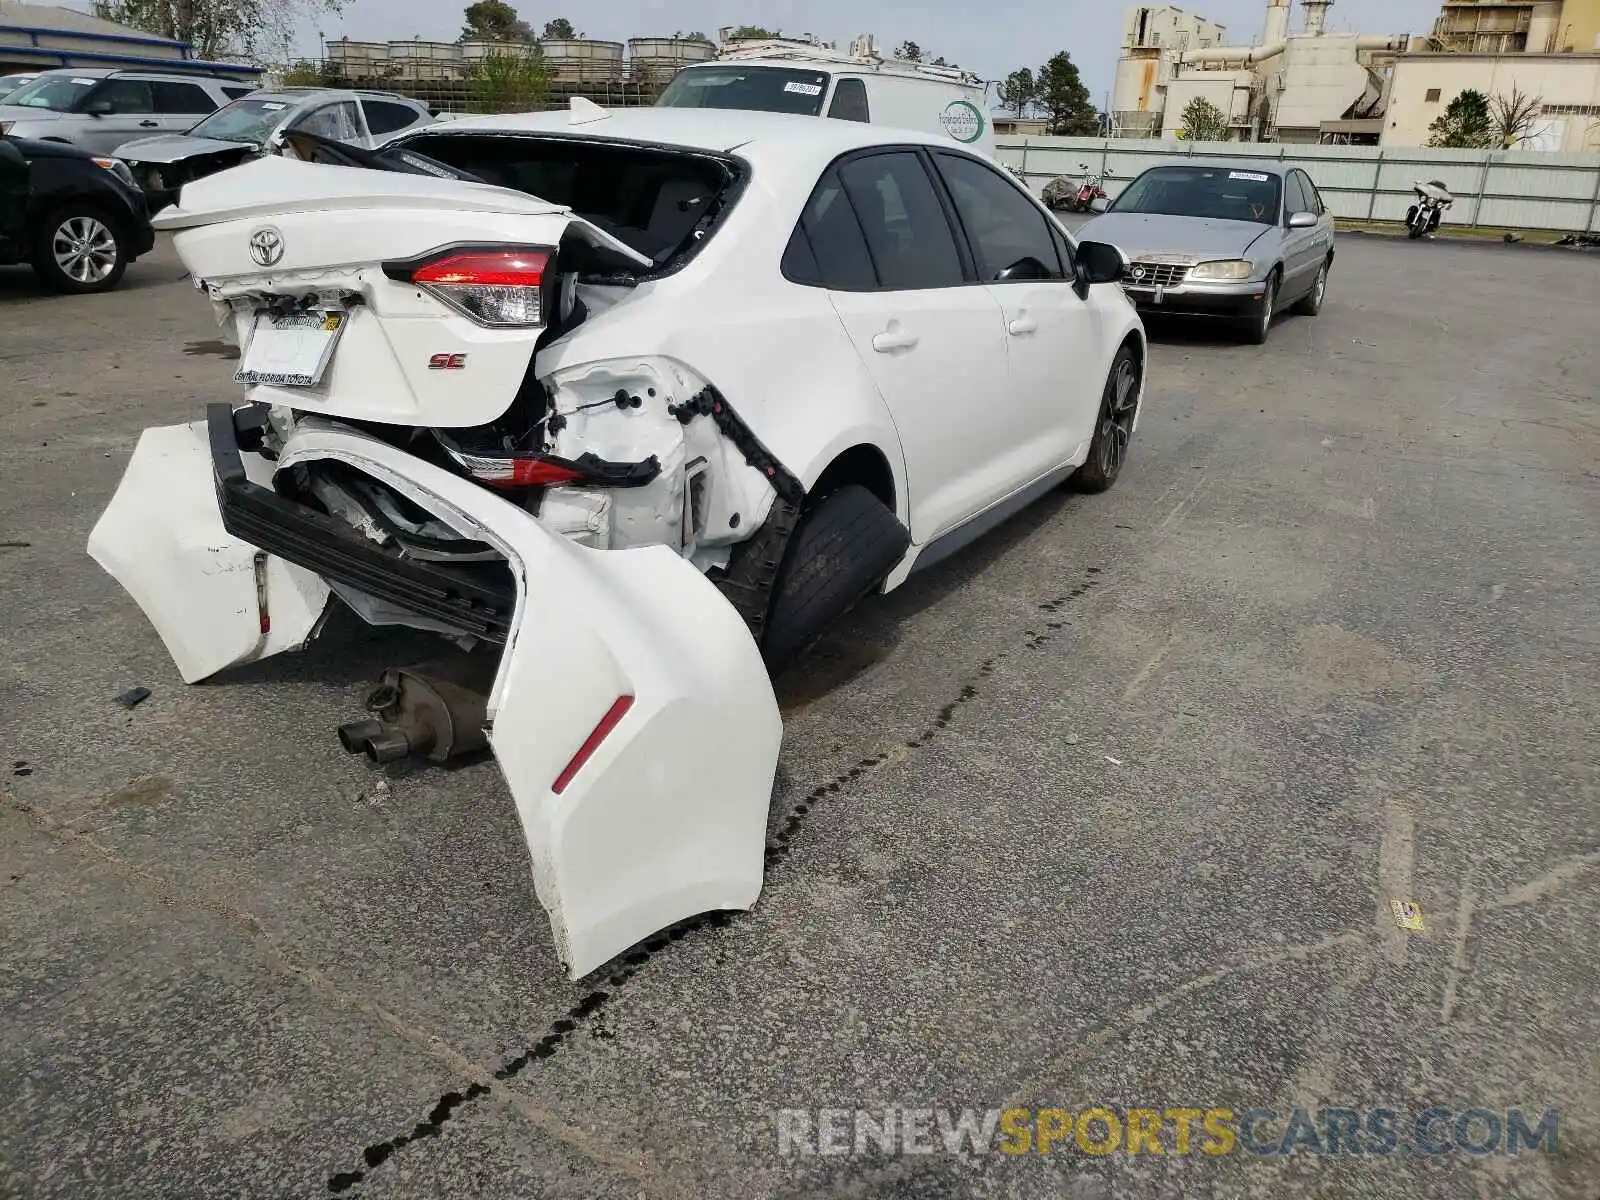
(332, 229)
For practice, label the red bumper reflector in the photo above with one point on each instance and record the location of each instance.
(592, 743)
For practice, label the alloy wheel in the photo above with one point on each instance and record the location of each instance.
(84, 249)
(1116, 417)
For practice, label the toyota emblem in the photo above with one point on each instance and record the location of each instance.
(266, 246)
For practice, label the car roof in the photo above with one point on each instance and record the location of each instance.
(718, 130)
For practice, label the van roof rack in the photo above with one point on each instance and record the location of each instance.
(862, 55)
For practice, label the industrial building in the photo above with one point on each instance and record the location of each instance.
(1517, 27)
(1305, 85)
(41, 37)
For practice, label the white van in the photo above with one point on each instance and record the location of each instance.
(861, 85)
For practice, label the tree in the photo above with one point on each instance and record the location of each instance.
(1203, 121)
(1064, 98)
(1018, 90)
(1464, 125)
(1513, 119)
(753, 33)
(696, 36)
(513, 78)
(909, 51)
(559, 30)
(494, 21)
(218, 28)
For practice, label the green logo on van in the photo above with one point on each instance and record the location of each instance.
(962, 120)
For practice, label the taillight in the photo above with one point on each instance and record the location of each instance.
(515, 470)
(497, 288)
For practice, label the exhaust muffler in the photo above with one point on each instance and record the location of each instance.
(436, 711)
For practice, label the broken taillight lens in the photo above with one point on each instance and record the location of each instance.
(498, 288)
(515, 470)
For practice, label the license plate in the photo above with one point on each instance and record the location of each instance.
(290, 349)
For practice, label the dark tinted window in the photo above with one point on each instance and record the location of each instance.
(850, 101)
(182, 98)
(385, 116)
(905, 226)
(827, 246)
(1005, 228)
(1312, 195)
(124, 96)
(236, 93)
(1216, 193)
(1294, 198)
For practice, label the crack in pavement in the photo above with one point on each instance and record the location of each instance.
(453, 1102)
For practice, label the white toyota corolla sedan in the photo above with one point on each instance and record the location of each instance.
(622, 403)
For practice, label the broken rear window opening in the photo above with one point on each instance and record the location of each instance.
(758, 89)
(661, 202)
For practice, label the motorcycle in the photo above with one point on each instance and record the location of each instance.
(1426, 214)
(1075, 196)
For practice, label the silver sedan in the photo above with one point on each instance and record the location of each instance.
(1236, 240)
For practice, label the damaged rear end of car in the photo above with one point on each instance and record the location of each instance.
(425, 441)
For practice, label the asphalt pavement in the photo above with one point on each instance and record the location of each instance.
(1113, 810)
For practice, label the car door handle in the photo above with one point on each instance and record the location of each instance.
(892, 339)
(1023, 325)
(149, 124)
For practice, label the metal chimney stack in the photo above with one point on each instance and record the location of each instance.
(1316, 16)
(1277, 26)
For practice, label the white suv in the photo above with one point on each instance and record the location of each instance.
(98, 110)
(627, 399)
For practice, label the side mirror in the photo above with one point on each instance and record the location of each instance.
(1100, 262)
(98, 108)
(1303, 220)
(1099, 204)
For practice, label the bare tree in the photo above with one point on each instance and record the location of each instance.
(1514, 119)
(220, 27)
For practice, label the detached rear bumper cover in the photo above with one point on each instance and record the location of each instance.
(666, 817)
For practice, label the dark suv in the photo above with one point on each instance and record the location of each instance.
(77, 217)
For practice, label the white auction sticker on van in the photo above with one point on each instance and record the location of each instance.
(272, 107)
(86, 82)
(1250, 175)
(804, 89)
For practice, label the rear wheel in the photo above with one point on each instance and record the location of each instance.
(79, 249)
(1113, 429)
(845, 544)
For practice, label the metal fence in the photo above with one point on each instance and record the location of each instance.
(1512, 189)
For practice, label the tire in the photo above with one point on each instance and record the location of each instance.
(1258, 326)
(844, 546)
(80, 250)
(1311, 304)
(1113, 427)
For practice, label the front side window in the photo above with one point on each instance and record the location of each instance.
(341, 122)
(850, 101)
(759, 89)
(1009, 235)
(385, 116)
(1214, 193)
(1295, 199)
(1313, 197)
(904, 224)
(124, 96)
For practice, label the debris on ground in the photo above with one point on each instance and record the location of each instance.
(133, 697)
(1407, 915)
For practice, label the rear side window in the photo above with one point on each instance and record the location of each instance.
(828, 248)
(180, 99)
(385, 116)
(236, 93)
(907, 233)
(1006, 230)
(850, 101)
(125, 96)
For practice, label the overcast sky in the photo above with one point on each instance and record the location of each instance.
(991, 37)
